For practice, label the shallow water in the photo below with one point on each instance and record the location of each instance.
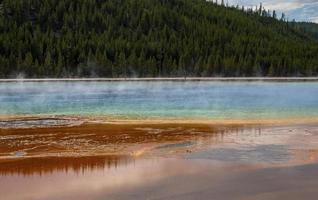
(258, 163)
(225, 100)
(167, 179)
(157, 161)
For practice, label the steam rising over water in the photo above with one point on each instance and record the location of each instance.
(168, 99)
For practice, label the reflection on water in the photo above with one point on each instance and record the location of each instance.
(237, 164)
(270, 145)
(51, 165)
(257, 154)
(165, 179)
(84, 179)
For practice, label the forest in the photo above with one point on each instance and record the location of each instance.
(309, 27)
(151, 38)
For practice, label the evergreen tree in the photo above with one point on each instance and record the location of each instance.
(150, 38)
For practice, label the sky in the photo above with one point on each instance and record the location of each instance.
(300, 10)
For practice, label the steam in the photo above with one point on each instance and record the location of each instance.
(159, 99)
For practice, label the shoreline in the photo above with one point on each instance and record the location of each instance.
(102, 139)
(77, 120)
(133, 138)
(65, 121)
(117, 142)
(34, 122)
(74, 136)
(266, 79)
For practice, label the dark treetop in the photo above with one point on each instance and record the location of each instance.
(150, 38)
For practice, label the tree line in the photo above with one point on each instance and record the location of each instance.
(149, 38)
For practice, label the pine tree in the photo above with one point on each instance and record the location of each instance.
(274, 14)
(151, 38)
(47, 64)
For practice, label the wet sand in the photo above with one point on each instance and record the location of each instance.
(159, 159)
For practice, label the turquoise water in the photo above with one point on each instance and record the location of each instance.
(208, 100)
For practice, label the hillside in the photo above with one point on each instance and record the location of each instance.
(148, 38)
(310, 28)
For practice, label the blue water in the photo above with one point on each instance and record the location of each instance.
(208, 100)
